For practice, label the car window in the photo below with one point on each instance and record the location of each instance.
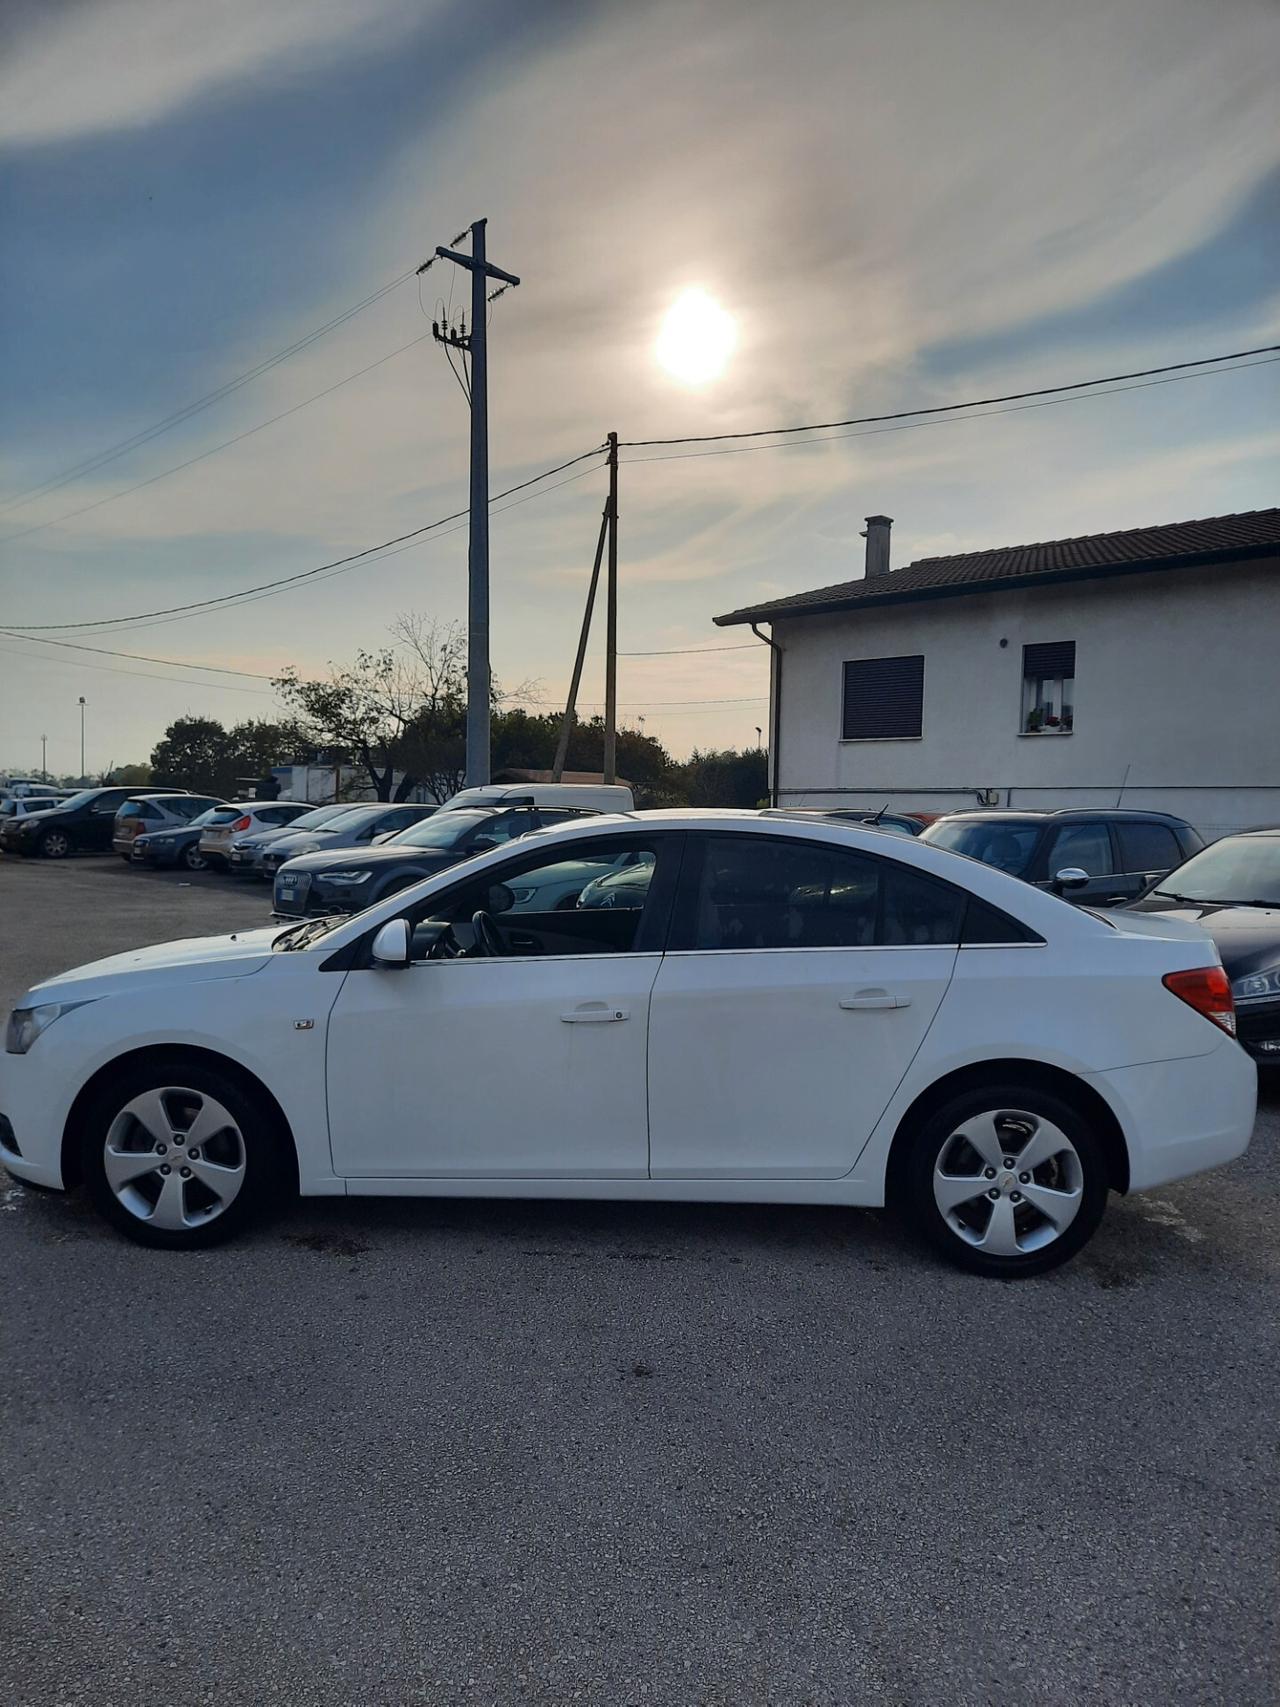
(277, 815)
(549, 911)
(1085, 846)
(186, 808)
(1147, 847)
(143, 809)
(1007, 846)
(224, 814)
(1239, 870)
(753, 892)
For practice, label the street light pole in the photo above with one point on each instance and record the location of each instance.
(44, 758)
(81, 737)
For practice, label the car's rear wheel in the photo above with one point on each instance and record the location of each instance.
(181, 1155)
(192, 858)
(1007, 1180)
(54, 844)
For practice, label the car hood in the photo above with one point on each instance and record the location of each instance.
(34, 817)
(189, 961)
(371, 858)
(1247, 938)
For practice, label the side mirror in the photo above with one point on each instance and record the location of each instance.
(391, 945)
(482, 844)
(1070, 877)
(501, 899)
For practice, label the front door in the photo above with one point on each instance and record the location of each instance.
(525, 1063)
(800, 981)
(1085, 845)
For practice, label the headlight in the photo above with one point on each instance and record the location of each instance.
(1258, 986)
(26, 1024)
(346, 876)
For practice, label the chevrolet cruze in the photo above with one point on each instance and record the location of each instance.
(783, 1011)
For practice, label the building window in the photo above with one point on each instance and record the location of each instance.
(883, 699)
(1049, 688)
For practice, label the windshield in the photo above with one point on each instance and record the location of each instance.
(210, 816)
(1244, 870)
(82, 799)
(1006, 846)
(444, 830)
(350, 818)
(313, 820)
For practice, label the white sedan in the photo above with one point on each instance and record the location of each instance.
(788, 1011)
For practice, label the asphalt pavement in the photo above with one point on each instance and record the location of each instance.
(416, 1454)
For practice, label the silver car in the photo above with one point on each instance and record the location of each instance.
(356, 827)
(238, 818)
(245, 858)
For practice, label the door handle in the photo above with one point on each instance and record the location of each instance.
(595, 1013)
(866, 999)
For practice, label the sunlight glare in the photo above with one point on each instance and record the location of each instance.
(697, 338)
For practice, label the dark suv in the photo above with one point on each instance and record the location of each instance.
(83, 824)
(1120, 852)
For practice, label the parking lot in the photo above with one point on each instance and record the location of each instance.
(407, 1452)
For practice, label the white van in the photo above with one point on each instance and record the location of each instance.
(593, 797)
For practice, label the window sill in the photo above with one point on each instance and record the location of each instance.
(875, 740)
(1044, 734)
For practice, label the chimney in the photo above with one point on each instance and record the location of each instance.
(877, 538)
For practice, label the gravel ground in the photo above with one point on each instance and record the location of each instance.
(450, 1453)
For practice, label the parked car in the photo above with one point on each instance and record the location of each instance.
(177, 845)
(23, 805)
(247, 849)
(625, 885)
(896, 823)
(358, 827)
(344, 882)
(83, 824)
(589, 796)
(218, 837)
(938, 1035)
(1232, 890)
(151, 812)
(1098, 857)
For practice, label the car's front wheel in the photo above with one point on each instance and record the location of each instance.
(1007, 1180)
(54, 844)
(180, 1154)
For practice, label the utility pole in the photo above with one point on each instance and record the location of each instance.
(571, 704)
(44, 758)
(81, 737)
(611, 625)
(473, 344)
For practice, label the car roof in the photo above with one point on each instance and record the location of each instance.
(1043, 814)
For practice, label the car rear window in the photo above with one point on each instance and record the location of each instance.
(224, 815)
(139, 809)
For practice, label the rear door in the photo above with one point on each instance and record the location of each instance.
(800, 980)
(1147, 850)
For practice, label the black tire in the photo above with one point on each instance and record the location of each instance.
(191, 857)
(938, 1130)
(264, 1155)
(55, 844)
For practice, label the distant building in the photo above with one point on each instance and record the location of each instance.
(1139, 668)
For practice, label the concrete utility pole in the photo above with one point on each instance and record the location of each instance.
(611, 625)
(44, 758)
(82, 737)
(571, 704)
(474, 345)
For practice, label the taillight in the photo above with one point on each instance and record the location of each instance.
(1208, 991)
(242, 823)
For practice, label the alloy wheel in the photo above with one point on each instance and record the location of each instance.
(193, 859)
(55, 844)
(1008, 1182)
(174, 1158)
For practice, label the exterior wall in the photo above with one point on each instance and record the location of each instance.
(1177, 700)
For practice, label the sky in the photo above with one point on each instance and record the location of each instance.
(898, 203)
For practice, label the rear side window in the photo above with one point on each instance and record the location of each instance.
(756, 893)
(985, 925)
(185, 808)
(142, 809)
(1085, 846)
(1147, 847)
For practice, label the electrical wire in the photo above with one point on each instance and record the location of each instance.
(144, 435)
(952, 408)
(689, 651)
(213, 450)
(146, 675)
(139, 657)
(246, 593)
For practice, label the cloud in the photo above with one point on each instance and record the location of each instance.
(76, 71)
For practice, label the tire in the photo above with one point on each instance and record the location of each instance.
(191, 858)
(55, 844)
(1032, 1225)
(241, 1174)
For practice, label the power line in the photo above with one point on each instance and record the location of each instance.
(950, 421)
(687, 651)
(140, 657)
(146, 434)
(951, 408)
(213, 450)
(147, 675)
(305, 574)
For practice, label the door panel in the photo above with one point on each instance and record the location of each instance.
(471, 1068)
(776, 1064)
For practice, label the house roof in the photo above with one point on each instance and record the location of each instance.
(1217, 539)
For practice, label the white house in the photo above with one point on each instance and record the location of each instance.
(1139, 668)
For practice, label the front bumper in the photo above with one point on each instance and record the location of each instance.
(31, 1125)
(1258, 1028)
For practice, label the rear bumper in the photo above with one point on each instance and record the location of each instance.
(1181, 1117)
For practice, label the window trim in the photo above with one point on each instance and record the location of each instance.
(888, 658)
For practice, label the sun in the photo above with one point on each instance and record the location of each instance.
(697, 338)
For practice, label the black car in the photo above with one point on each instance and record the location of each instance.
(83, 824)
(1120, 852)
(350, 879)
(896, 823)
(1232, 890)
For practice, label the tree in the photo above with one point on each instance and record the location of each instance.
(727, 777)
(201, 754)
(131, 776)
